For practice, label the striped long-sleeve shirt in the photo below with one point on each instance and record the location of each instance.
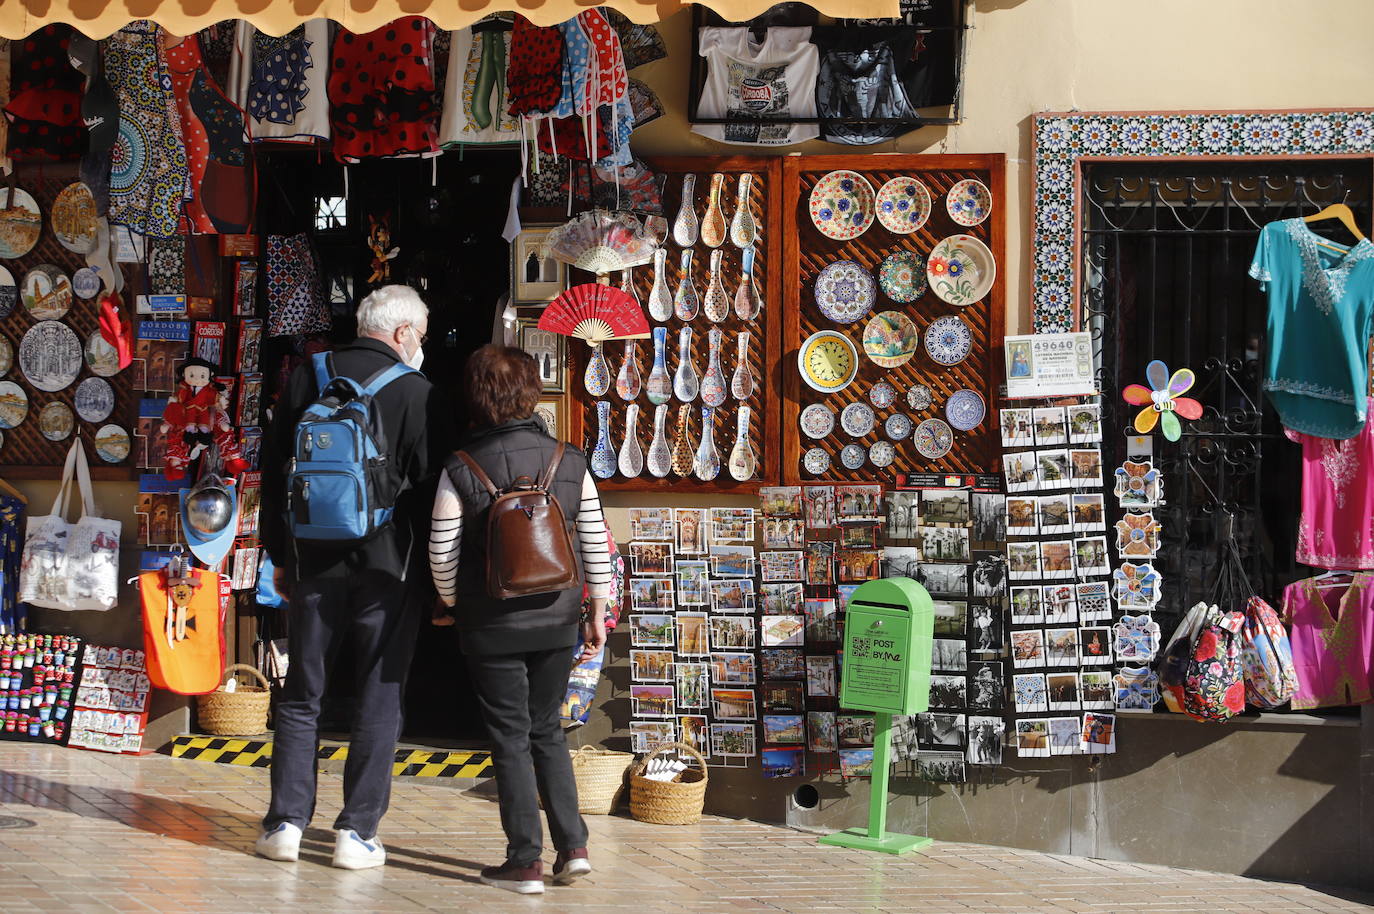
(446, 540)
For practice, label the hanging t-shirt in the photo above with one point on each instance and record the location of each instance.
(860, 77)
(1321, 301)
(1336, 529)
(745, 79)
(475, 89)
(282, 83)
(1332, 632)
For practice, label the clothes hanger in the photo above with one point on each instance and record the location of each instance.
(1340, 212)
(1331, 575)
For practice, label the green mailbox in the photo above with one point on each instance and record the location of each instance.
(888, 634)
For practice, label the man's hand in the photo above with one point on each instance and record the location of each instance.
(281, 580)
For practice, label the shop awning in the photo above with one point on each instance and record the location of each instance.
(98, 18)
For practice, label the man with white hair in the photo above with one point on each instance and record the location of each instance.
(371, 592)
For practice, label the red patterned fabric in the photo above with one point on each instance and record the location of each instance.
(534, 78)
(45, 99)
(183, 62)
(381, 92)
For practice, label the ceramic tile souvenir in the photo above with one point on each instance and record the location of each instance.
(918, 397)
(660, 458)
(934, 438)
(743, 229)
(75, 221)
(898, 426)
(857, 419)
(1136, 688)
(603, 459)
(685, 224)
(948, 340)
(713, 389)
(50, 355)
(46, 292)
(21, 222)
(716, 304)
(14, 404)
(902, 276)
(686, 303)
(827, 361)
(660, 296)
(706, 463)
(1135, 639)
(852, 456)
(969, 203)
(961, 270)
(748, 297)
(1137, 586)
(597, 376)
(714, 228)
(683, 450)
(686, 385)
(95, 400)
(891, 339)
(903, 205)
(742, 381)
(631, 460)
(1137, 536)
(1139, 484)
(881, 454)
(743, 463)
(627, 383)
(842, 205)
(111, 443)
(817, 420)
(965, 409)
(56, 421)
(659, 386)
(815, 461)
(844, 291)
(882, 395)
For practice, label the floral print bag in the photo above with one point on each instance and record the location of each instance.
(1214, 685)
(1270, 679)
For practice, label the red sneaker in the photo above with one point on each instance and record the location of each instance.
(571, 866)
(522, 880)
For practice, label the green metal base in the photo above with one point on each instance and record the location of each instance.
(889, 843)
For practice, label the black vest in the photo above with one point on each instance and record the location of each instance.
(540, 621)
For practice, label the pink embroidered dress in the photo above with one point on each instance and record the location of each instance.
(1336, 529)
(1332, 631)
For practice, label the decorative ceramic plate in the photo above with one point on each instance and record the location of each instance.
(898, 426)
(14, 404)
(56, 421)
(918, 397)
(948, 340)
(9, 292)
(21, 222)
(50, 355)
(86, 283)
(112, 443)
(882, 453)
(961, 270)
(6, 356)
(842, 205)
(934, 438)
(902, 276)
(815, 461)
(881, 395)
(903, 205)
(845, 291)
(969, 202)
(101, 357)
(852, 456)
(74, 219)
(828, 361)
(817, 420)
(95, 399)
(890, 339)
(47, 292)
(857, 419)
(965, 409)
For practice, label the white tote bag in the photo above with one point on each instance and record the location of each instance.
(71, 566)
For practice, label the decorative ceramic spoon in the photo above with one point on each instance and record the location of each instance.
(742, 382)
(627, 283)
(742, 227)
(716, 304)
(707, 462)
(748, 301)
(685, 225)
(660, 458)
(603, 458)
(597, 377)
(627, 379)
(657, 228)
(713, 389)
(686, 385)
(687, 303)
(659, 387)
(631, 462)
(660, 297)
(682, 447)
(713, 226)
(742, 460)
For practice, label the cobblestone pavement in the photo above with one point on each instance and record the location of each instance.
(160, 834)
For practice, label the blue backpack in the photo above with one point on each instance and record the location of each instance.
(341, 486)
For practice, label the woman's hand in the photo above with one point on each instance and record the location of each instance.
(594, 631)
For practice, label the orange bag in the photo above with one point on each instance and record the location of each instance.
(185, 649)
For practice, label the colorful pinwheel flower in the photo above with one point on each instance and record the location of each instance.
(1161, 399)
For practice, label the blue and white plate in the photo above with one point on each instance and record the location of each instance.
(965, 409)
(817, 420)
(852, 456)
(815, 461)
(857, 419)
(845, 291)
(898, 426)
(948, 340)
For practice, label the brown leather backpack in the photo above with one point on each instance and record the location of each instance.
(529, 550)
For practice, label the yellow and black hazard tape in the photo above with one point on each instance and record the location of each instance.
(408, 763)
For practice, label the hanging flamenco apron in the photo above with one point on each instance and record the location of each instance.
(183, 628)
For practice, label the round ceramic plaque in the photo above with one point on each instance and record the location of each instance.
(841, 205)
(969, 202)
(86, 283)
(95, 399)
(9, 292)
(47, 292)
(890, 339)
(965, 409)
(902, 276)
(50, 356)
(857, 419)
(817, 420)
(21, 223)
(815, 461)
(112, 443)
(101, 357)
(881, 454)
(903, 205)
(852, 456)
(961, 270)
(14, 404)
(845, 291)
(74, 219)
(934, 438)
(882, 395)
(56, 421)
(898, 426)
(948, 340)
(6, 356)
(827, 361)
(918, 397)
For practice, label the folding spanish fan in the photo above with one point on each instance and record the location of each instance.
(595, 313)
(601, 242)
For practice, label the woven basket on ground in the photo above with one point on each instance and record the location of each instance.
(239, 713)
(600, 775)
(675, 802)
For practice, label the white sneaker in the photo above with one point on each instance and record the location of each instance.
(353, 853)
(281, 843)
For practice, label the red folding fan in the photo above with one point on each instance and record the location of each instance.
(595, 313)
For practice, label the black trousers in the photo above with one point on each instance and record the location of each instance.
(520, 696)
(370, 606)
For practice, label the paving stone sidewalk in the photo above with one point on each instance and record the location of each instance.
(158, 834)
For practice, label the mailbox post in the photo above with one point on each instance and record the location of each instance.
(888, 630)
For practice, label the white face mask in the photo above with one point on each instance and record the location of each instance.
(416, 358)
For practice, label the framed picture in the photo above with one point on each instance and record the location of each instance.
(554, 416)
(548, 348)
(534, 277)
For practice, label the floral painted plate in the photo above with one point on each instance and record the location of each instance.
(965, 409)
(961, 270)
(852, 456)
(969, 202)
(890, 339)
(918, 397)
(857, 419)
(902, 276)
(882, 395)
(934, 438)
(882, 453)
(898, 427)
(841, 205)
(903, 205)
(845, 291)
(948, 340)
(817, 420)
(815, 461)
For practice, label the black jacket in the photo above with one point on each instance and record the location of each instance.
(417, 427)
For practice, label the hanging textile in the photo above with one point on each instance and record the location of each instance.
(594, 109)
(861, 77)
(1332, 634)
(183, 63)
(757, 81)
(381, 92)
(228, 192)
(12, 615)
(295, 303)
(100, 111)
(534, 77)
(44, 108)
(282, 83)
(1335, 528)
(475, 94)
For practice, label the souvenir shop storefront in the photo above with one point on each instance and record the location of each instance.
(834, 300)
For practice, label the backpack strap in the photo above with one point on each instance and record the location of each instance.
(547, 480)
(324, 369)
(477, 471)
(385, 377)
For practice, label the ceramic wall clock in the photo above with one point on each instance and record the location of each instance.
(74, 218)
(817, 420)
(902, 276)
(47, 292)
(14, 404)
(56, 421)
(95, 400)
(934, 438)
(9, 292)
(112, 443)
(969, 203)
(961, 270)
(841, 205)
(827, 361)
(890, 339)
(881, 454)
(882, 395)
(815, 461)
(948, 340)
(918, 397)
(965, 409)
(857, 419)
(903, 205)
(21, 222)
(852, 456)
(845, 291)
(50, 355)
(898, 426)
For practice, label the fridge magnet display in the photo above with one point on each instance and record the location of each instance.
(780, 697)
(781, 501)
(112, 443)
(691, 530)
(652, 630)
(1099, 733)
(1085, 466)
(1137, 536)
(1089, 512)
(50, 355)
(820, 731)
(1052, 469)
(1023, 515)
(989, 574)
(903, 515)
(1033, 738)
(693, 682)
(1059, 604)
(695, 731)
(933, 438)
(1055, 514)
(1136, 688)
(941, 767)
(46, 292)
(733, 669)
(783, 533)
(651, 666)
(1023, 561)
(1021, 470)
(1137, 586)
(787, 762)
(21, 222)
(986, 634)
(1050, 427)
(1030, 694)
(1056, 558)
(95, 400)
(1085, 423)
(989, 517)
(1096, 690)
(651, 523)
(820, 507)
(692, 635)
(859, 536)
(1138, 484)
(648, 735)
(950, 618)
(902, 562)
(782, 663)
(733, 704)
(1090, 556)
(732, 525)
(651, 593)
(1065, 733)
(1094, 646)
(1017, 428)
(949, 654)
(860, 503)
(784, 729)
(985, 685)
(985, 738)
(780, 599)
(732, 740)
(1026, 608)
(1135, 639)
(857, 565)
(936, 730)
(948, 691)
(940, 578)
(652, 701)
(732, 595)
(55, 421)
(820, 677)
(1061, 647)
(780, 566)
(820, 620)
(945, 544)
(782, 631)
(732, 561)
(1094, 601)
(651, 558)
(1028, 649)
(732, 633)
(692, 583)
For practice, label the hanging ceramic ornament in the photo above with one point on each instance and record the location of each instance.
(686, 303)
(742, 381)
(713, 389)
(603, 457)
(1162, 399)
(659, 387)
(74, 218)
(627, 381)
(686, 384)
(9, 292)
(660, 460)
(1135, 639)
(713, 225)
(627, 283)
(112, 443)
(682, 447)
(14, 404)
(1139, 484)
(55, 421)
(706, 464)
(742, 460)
(1137, 586)
(685, 225)
(1136, 688)
(748, 298)
(47, 292)
(50, 355)
(631, 462)
(743, 229)
(21, 223)
(597, 378)
(1137, 536)
(95, 400)
(716, 304)
(660, 296)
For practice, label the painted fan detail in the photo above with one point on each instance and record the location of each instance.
(595, 313)
(1162, 399)
(601, 242)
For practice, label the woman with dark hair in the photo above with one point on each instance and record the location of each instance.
(520, 650)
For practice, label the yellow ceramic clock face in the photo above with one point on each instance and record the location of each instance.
(827, 361)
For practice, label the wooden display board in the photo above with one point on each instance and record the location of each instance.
(806, 252)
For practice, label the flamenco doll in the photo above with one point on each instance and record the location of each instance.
(194, 419)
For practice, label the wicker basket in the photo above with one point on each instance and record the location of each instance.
(675, 802)
(239, 713)
(600, 775)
